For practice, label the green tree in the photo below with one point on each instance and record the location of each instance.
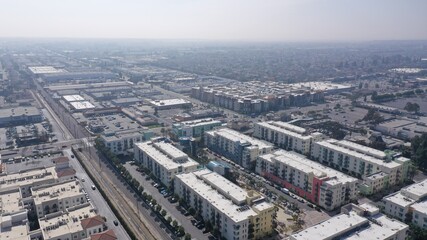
(163, 213)
(419, 151)
(412, 107)
(174, 223)
(187, 236)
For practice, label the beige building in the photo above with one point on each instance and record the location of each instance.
(57, 197)
(236, 213)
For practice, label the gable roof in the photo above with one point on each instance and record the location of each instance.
(92, 222)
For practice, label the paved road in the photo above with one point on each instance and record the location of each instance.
(96, 198)
(169, 207)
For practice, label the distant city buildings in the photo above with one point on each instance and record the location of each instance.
(236, 213)
(236, 146)
(163, 160)
(257, 97)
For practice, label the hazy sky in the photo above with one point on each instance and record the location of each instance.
(252, 20)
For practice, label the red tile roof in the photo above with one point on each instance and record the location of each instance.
(65, 172)
(107, 235)
(92, 222)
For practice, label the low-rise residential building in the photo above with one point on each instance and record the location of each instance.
(123, 142)
(57, 197)
(419, 214)
(319, 184)
(163, 160)
(399, 204)
(236, 213)
(356, 222)
(27, 179)
(362, 162)
(286, 136)
(78, 222)
(236, 146)
(194, 128)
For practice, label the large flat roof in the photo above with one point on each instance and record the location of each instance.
(10, 201)
(45, 70)
(240, 137)
(277, 128)
(198, 122)
(82, 105)
(56, 191)
(215, 198)
(420, 207)
(331, 144)
(19, 111)
(73, 98)
(27, 177)
(307, 166)
(166, 155)
(399, 199)
(169, 102)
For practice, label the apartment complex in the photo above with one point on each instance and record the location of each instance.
(57, 197)
(122, 142)
(410, 203)
(356, 222)
(236, 213)
(236, 146)
(195, 128)
(257, 97)
(319, 184)
(163, 160)
(286, 136)
(363, 162)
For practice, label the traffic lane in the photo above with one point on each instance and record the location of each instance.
(169, 207)
(96, 198)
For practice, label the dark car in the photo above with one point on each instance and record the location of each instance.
(206, 231)
(200, 226)
(116, 222)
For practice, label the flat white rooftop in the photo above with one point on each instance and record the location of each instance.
(331, 144)
(400, 200)
(169, 102)
(307, 166)
(82, 105)
(214, 197)
(26, 178)
(363, 149)
(385, 229)
(10, 201)
(166, 155)
(331, 228)
(420, 207)
(56, 191)
(235, 136)
(199, 122)
(45, 70)
(277, 128)
(73, 98)
(416, 190)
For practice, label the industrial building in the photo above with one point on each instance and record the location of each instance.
(236, 146)
(170, 103)
(313, 181)
(195, 128)
(286, 136)
(19, 116)
(356, 222)
(362, 162)
(236, 213)
(163, 160)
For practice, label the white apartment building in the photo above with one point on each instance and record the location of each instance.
(123, 142)
(57, 197)
(419, 214)
(236, 146)
(356, 222)
(236, 213)
(163, 160)
(361, 161)
(286, 136)
(313, 181)
(195, 128)
(400, 203)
